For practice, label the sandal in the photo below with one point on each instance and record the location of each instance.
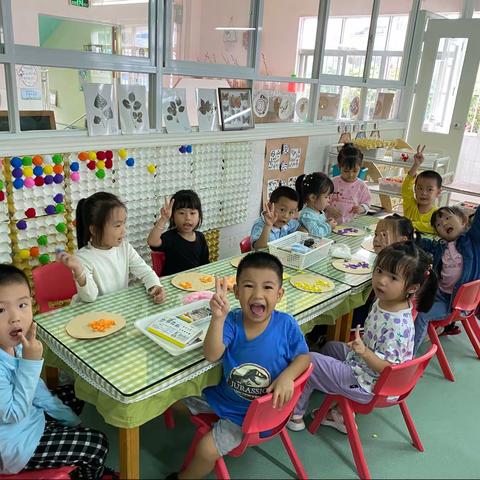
(336, 422)
(296, 423)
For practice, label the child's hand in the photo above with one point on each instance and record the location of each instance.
(70, 261)
(158, 294)
(269, 214)
(333, 212)
(418, 158)
(219, 304)
(166, 210)
(332, 222)
(32, 348)
(357, 345)
(282, 388)
(358, 210)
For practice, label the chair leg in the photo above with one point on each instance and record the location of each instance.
(471, 335)
(51, 377)
(221, 471)
(169, 419)
(475, 326)
(354, 439)
(287, 443)
(320, 415)
(411, 426)
(191, 451)
(442, 358)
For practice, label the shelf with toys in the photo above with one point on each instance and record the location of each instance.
(388, 161)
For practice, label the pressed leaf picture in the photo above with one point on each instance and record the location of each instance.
(100, 109)
(132, 105)
(207, 109)
(174, 110)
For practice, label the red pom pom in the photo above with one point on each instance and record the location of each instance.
(91, 165)
(109, 154)
(39, 181)
(2, 196)
(108, 163)
(30, 213)
(101, 155)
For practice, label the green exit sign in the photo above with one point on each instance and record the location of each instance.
(80, 3)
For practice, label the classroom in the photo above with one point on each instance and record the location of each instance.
(239, 239)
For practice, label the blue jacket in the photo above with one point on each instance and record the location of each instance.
(24, 400)
(468, 245)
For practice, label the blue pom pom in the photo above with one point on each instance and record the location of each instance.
(130, 162)
(74, 167)
(38, 170)
(188, 148)
(16, 162)
(18, 183)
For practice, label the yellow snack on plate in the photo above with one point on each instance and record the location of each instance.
(206, 279)
(102, 324)
(186, 284)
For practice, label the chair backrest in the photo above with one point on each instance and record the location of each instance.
(467, 297)
(399, 380)
(52, 283)
(158, 262)
(262, 417)
(62, 473)
(246, 245)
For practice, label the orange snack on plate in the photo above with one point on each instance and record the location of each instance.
(185, 284)
(206, 279)
(101, 325)
(231, 280)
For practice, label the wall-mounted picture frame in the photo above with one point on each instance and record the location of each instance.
(236, 108)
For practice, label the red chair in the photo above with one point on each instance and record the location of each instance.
(158, 262)
(52, 283)
(246, 245)
(464, 306)
(62, 473)
(394, 381)
(260, 417)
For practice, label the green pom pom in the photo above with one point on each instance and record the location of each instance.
(61, 227)
(26, 161)
(44, 258)
(42, 240)
(100, 174)
(59, 207)
(57, 159)
(1, 185)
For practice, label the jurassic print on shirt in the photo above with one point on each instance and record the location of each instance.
(249, 380)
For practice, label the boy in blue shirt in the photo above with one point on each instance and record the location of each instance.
(28, 440)
(262, 349)
(277, 219)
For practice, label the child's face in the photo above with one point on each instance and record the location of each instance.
(15, 314)
(114, 231)
(426, 191)
(186, 219)
(319, 202)
(389, 287)
(449, 226)
(286, 209)
(258, 291)
(385, 235)
(349, 174)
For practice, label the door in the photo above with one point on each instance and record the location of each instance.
(445, 87)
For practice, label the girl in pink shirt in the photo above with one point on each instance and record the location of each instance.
(351, 196)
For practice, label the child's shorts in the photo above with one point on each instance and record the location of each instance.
(226, 434)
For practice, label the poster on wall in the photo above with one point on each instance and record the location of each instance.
(284, 162)
(100, 108)
(132, 108)
(174, 110)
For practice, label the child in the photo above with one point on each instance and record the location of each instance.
(351, 369)
(262, 350)
(184, 246)
(314, 191)
(427, 186)
(456, 259)
(37, 430)
(105, 260)
(351, 196)
(392, 229)
(277, 219)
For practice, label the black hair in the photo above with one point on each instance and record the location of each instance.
(401, 226)
(349, 157)
(186, 199)
(95, 211)
(315, 183)
(285, 192)
(261, 260)
(458, 212)
(10, 274)
(414, 266)
(431, 175)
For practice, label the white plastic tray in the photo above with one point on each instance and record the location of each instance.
(172, 349)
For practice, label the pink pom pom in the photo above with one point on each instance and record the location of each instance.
(195, 296)
(75, 176)
(29, 182)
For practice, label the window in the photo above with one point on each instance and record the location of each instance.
(3, 101)
(110, 27)
(445, 8)
(211, 31)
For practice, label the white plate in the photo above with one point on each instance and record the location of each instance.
(301, 108)
(260, 104)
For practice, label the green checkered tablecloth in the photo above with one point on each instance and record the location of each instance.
(129, 367)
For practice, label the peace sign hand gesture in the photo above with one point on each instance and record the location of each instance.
(418, 158)
(219, 304)
(269, 214)
(166, 210)
(32, 348)
(357, 344)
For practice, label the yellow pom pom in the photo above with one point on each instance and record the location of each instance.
(100, 164)
(151, 168)
(28, 171)
(92, 155)
(48, 169)
(24, 254)
(122, 153)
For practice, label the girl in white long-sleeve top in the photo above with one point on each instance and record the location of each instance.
(105, 260)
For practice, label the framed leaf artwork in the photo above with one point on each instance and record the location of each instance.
(236, 108)
(132, 108)
(101, 109)
(207, 109)
(174, 110)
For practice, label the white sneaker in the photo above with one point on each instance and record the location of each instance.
(336, 423)
(296, 423)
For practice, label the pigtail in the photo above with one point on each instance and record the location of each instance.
(425, 295)
(299, 188)
(83, 234)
